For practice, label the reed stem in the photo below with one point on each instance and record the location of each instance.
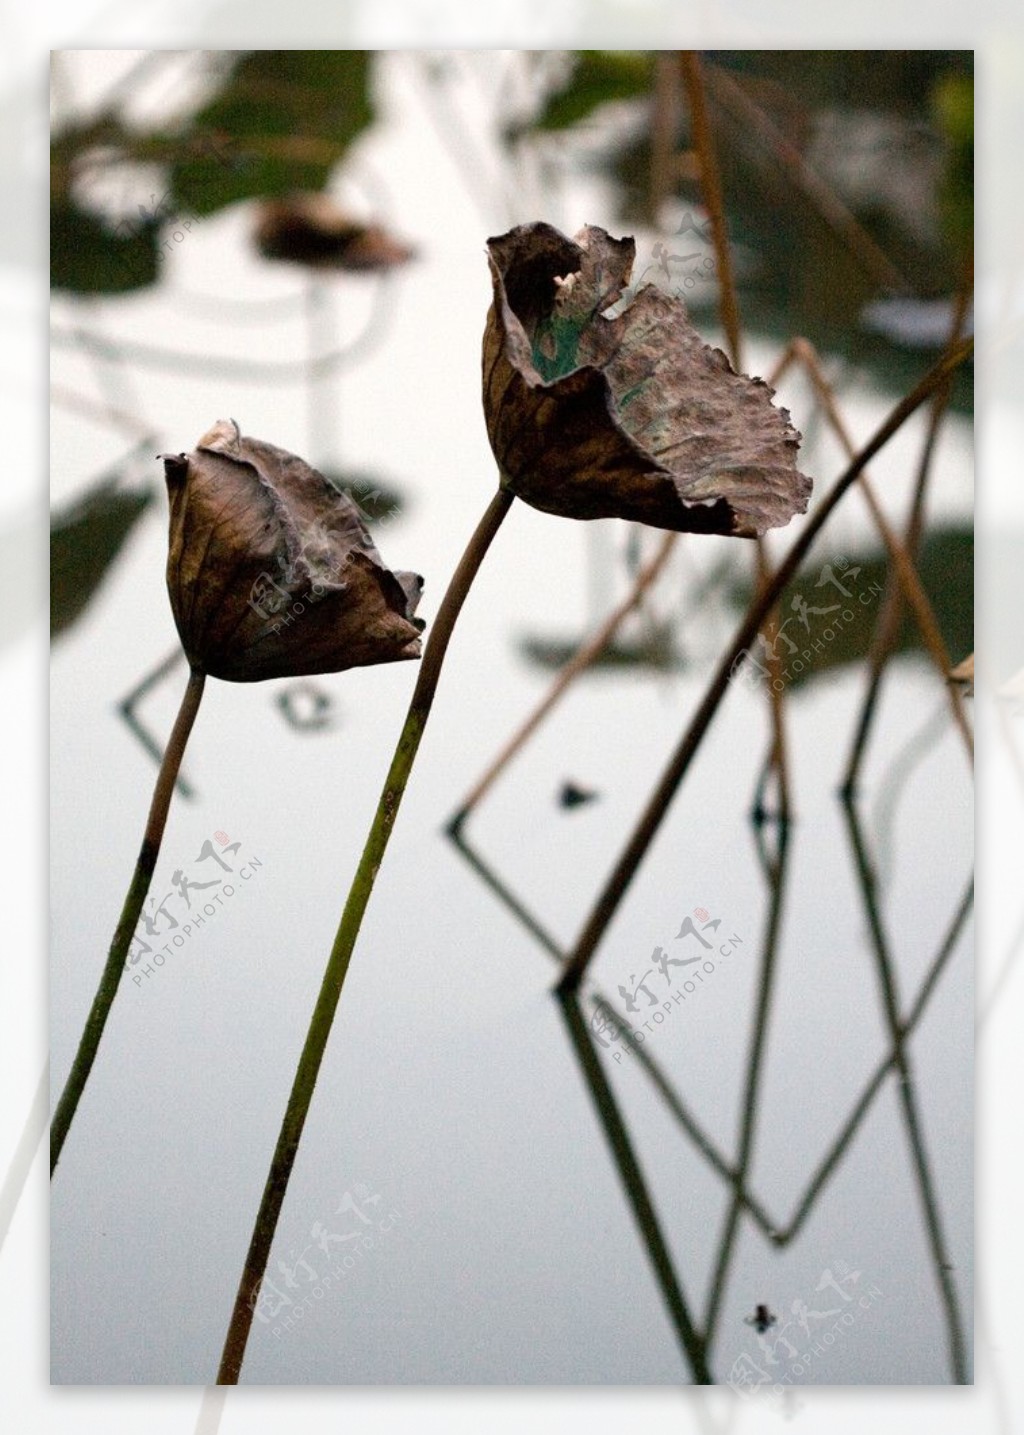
(131, 911)
(348, 931)
(633, 854)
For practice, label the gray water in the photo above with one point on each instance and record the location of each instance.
(454, 1123)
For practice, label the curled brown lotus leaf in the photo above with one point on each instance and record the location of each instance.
(631, 415)
(271, 572)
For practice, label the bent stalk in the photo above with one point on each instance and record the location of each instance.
(131, 911)
(348, 931)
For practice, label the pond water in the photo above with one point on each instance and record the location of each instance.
(494, 1188)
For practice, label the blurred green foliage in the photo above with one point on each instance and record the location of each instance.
(84, 541)
(88, 255)
(945, 565)
(279, 121)
(595, 77)
(888, 132)
(953, 111)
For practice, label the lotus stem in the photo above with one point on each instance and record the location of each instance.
(131, 911)
(348, 931)
(633, 854)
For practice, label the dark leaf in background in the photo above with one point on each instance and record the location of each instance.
(897, 81)
(87, 256)
(280, 122)
(376, 500)
(889, 132)
(946, 568)
(597, 77)
(310, 229)
(656, 649)
(84, 541)
(953, 112)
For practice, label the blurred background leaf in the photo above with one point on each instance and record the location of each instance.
(280, 122)
(595, 78)
(655, 649)
(88, 257)
(277, 122)
(953, 111)
(945, 564)
(377, 500)
(888, 135)
(84, 540)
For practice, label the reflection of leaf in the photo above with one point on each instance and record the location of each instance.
(87, 257)
(598, 76)
(655, 648)
(281, 121)
(798, 275)
(84, 541)
(306, 707)
(946, 568)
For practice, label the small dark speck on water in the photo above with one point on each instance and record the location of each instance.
(761, 1320)
(571, 795)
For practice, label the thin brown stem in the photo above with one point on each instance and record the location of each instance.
(126, 707)
(910, 585)
(585, 655)
(778, 752)
(752, 119)
(131, 911)
(711, 186)
(625, 869)
(692, 1342)
(888, 625)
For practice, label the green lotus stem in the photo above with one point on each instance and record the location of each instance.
(131, 911)
(345, 940)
